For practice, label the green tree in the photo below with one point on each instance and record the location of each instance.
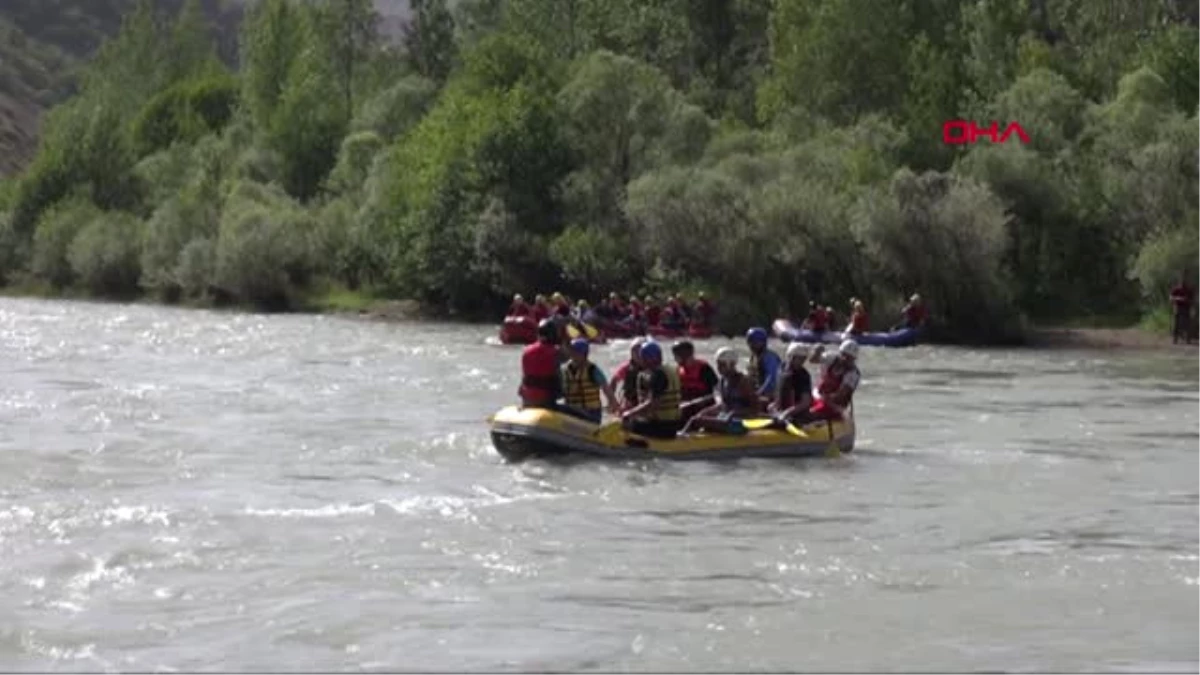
(429, 38)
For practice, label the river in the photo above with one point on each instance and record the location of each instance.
(200, 490)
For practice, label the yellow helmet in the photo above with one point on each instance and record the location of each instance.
(700, 294)
(518, 298)
(557, 296)
(648, 298)
(613, 296)
(582, 303)
(540, 298)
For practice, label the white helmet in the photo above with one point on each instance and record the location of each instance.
(635, 349)
(727, 355)
(849, 348)
(796, 349)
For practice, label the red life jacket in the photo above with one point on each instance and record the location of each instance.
(915, 314)
(562, 309)
(831, 379)
(818, 320)
(653, 314)
(539, 373)
(691, 380)
(519, 310)
(859, 322)
(1181, 297)
(635, 309)
(540, 312)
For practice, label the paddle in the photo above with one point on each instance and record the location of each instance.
(610, 434)
(773, 423)
(572, 331)
(834, 450)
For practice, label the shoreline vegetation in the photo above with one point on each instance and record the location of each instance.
(769, 153)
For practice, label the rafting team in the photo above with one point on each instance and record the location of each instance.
(636, 316)
(631, 317)
(660, 401)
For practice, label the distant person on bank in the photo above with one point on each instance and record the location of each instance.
(1183, 296)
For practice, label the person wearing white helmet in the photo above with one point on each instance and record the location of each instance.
(519, 307)
(735, 396)
(839, 379)
(793, 397)
(624, 379)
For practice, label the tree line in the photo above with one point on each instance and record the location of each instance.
(771, 153)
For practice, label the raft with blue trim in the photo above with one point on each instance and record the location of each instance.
(788, 332)
(523, 433)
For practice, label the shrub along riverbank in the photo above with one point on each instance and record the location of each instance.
(770, 153)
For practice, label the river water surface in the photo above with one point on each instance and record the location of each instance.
(199, 490)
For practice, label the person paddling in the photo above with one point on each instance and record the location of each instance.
(584, 382)
(793, 398)
(735, 397)
(697, 379)
(540, 383)
(626, 375)
(764, 364)
(839, 380)
(859, 321)
(915, 313)
(657, 412)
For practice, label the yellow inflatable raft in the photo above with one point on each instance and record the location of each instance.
(519, 434)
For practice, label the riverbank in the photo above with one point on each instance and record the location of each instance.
(1135, 338)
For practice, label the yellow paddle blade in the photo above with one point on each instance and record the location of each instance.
(762, 423)
(592, 332)
(610, 434)
(795, 430)
(573, 332)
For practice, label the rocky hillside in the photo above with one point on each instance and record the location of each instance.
(42, 42)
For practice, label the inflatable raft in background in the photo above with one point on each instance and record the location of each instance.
(522, 330)
(518, 330)
(519, 434)
(788, 332)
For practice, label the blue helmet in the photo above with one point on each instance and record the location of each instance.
(651, 352)
(579, 346)
(756, 335)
